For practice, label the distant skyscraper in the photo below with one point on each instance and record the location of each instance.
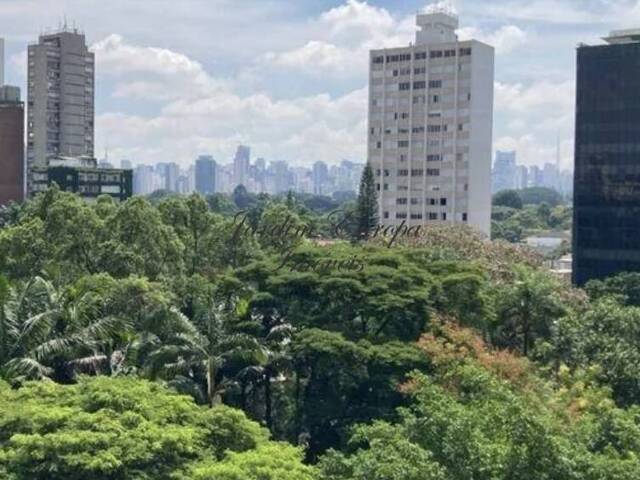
(241, 165)
(169, 173)
(504, 171)
(430, 127)
(551, 176)
(125, 164)
(281, 177)
(535, 176)
(606, 202)
(60, 98)
(320, 177)
(205, 173)
(11, 140)
(522, 177)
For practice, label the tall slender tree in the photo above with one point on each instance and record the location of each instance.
(367, 205)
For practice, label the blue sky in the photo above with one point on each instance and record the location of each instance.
(180, 78)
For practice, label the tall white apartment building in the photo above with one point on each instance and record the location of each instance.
(60, 98)
(430, 127)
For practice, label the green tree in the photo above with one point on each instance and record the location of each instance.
(367, 205)
(46, 334)
(537, 195)
(199, 349)
(105, 428)
(507, 198)
(527, 309)
(624, 286)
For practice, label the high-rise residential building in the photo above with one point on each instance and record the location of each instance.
(522, 177)
(535, 176)
(606, 201)
(320, 177)
(60, 98)
(241, 164)
(11, 140)
(169, 172)
(551, 176)
(430, 127)
(280, 177)
(504, 171)
(205, 175)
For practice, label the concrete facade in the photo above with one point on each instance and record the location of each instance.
(60, 99)
(430, 127)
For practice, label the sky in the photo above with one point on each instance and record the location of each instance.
(177, 79)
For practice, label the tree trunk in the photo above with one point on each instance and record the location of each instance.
(267, 399)
(211, 382)
(298, 414)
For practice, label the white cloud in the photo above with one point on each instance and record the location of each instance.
(342, 37)
(439, 6)
(216, 118)
(315, 56)
(506, 39)
(544, 95)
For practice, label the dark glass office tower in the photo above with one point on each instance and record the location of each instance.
(606, 221)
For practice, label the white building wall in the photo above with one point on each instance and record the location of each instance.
(430, 128)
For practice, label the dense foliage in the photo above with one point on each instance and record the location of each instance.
(149, 339)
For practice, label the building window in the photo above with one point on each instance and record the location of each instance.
(449, 53)
(417, 172)
(435, 98)
(433, 172)
(464, 52)
(416, 216)
(378, 59)
(403, 173)
(403, 143)
(400, 215)
(433, 128)
(443, 201)
(435, 83)
(419, 85)
(404, 86)
(435, 54)
(417, 130)
(464, 217)
(385, 214)
(420, 55)
(435, 157)
(444, 215)
(433, 216)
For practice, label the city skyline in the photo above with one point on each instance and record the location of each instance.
(298, 94)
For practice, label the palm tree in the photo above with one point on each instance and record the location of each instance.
(199, 349)
(276, 360)
(44, 333)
